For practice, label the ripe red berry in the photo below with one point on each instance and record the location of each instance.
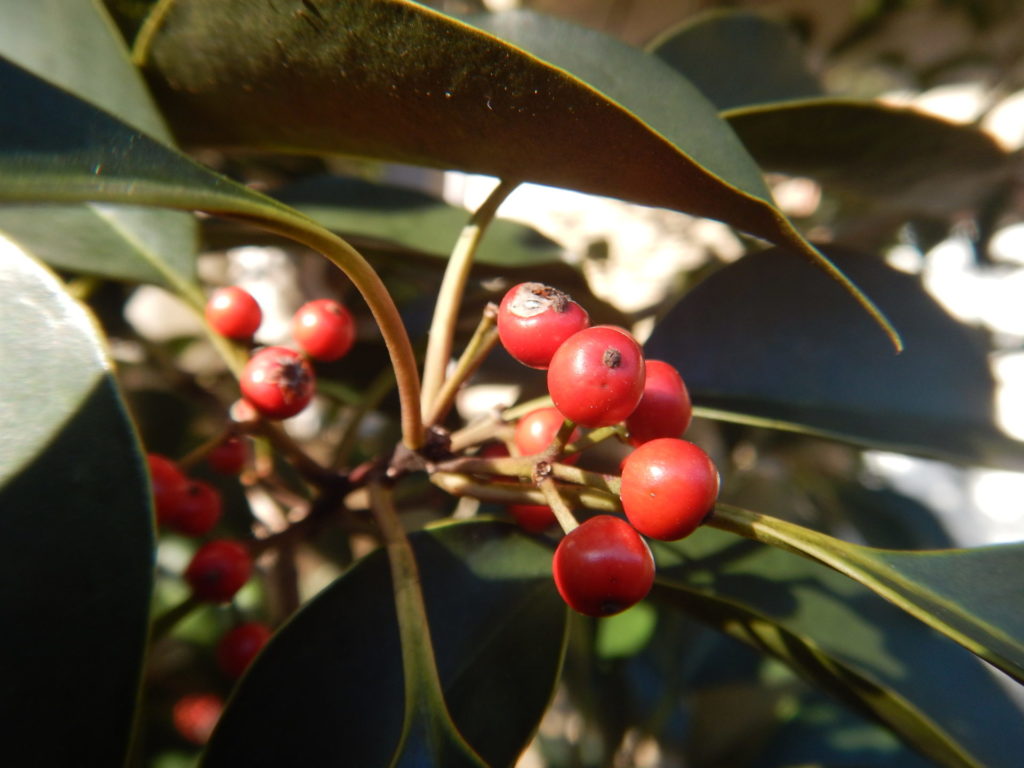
(218, 570)
(603, 567)
(324, 329)
(664, 410)
(278, 382)
(169, 487)
(596, 378)
(533, 518)
(535, 431)
(533, 321)
(198, 509)
(233, 312)
(668, 488)
(228, 457)
(239, 646)
(196, 715)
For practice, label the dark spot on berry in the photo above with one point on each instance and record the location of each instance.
(612, 358)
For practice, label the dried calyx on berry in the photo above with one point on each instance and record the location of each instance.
(533, 321)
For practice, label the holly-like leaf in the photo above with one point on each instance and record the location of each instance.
(847, 641)
(738, 58)
(760, 342)
(76, 531)
(966, 594)
(896, 156)
(517, 95)
(51, 38)
(326, 686)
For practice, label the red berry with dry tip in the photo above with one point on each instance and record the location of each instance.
(218, 570)
(533, 321)
(603, 567)
(278, 382)
(596, 378)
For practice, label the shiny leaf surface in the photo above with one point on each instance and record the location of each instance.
(76, 539)
(326, 687)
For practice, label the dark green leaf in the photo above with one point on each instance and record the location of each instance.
(52, 38)
(548, 102)
(76, 539)
(413, 220)
(738, 58)
(964, 593)
(845, 639)
(895, 156)
(761, 341)
(327, 687)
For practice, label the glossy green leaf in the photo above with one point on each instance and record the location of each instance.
(967, 594)
(326, 687)
(738, 58)
(519, 96)
(52, 38)
(76, 538)
(762, 342)
(894, 156)
(411, 220)
(846, 640)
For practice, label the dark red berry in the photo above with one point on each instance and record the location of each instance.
(196, 715)
(533, 321)
(198, 509)
(668, 488)
(233, 312)
(324, 329)
(596, 378)
(278, 382)
(169, 487)
(239, 646)
(664, 410)
(218, 570)
(533, 518)
(535, 431)
(228, 457)
(603, 567)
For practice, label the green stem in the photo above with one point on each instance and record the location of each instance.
(522, 409)
(458, 484)
(597, 436)
(557, 503)
(484, 339)
(372, 398)
(376, 295)
(449, 297)
(424, 698)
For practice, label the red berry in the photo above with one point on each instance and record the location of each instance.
(603, 567)
(196, 715)
(218, 570)
(533, 321)
(239, 646)
(278, 382)
(233, 312)
(169, 487)
(668, 488)
(535, 431)
(324, 329)
(198, 509)
(596, 378)
(533, 518)
(228, 457)
(664, 409)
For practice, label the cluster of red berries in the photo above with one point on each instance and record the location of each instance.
(219, 568)
(597, 377)
(279, 381)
